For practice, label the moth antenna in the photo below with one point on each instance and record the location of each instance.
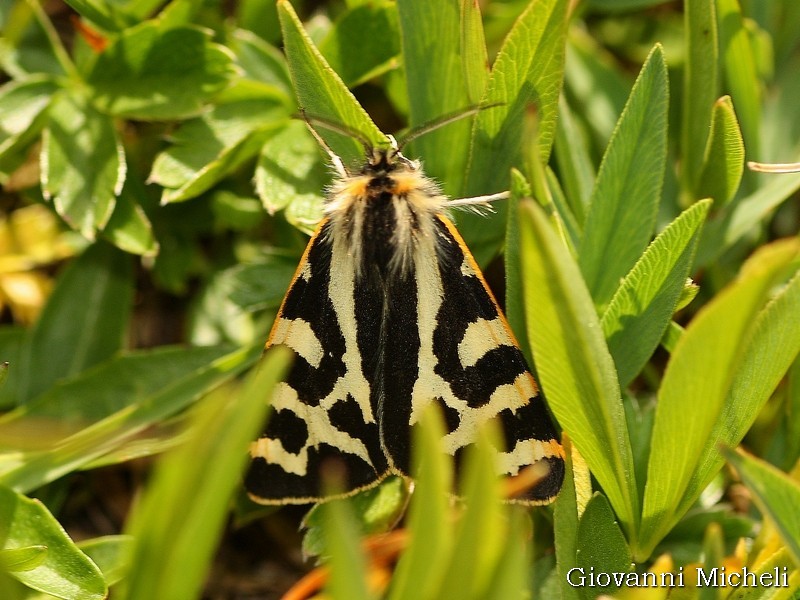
(336, 160)
(442, 121)
(773, 167)
(478, 202)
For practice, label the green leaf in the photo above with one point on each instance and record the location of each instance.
(421, 569)
(439, 81)
(601, 544)
(109, 553)
(565, 526)
(511, 576)
(701, 379)
(741, 73)
(262, 285)
(700, 86)
(128, 227)
(724, 157)
(480, 534)
(261, 61)
(742, 215)
(346, 563)
(103, 14)
(83, 323)
(117, 426)
(515, 302)
(641, 309)
(574, 163)
(321, 92)
(628, 188)
(65, 571)
(22, 559)
(573, 363)
(22, 107)
(209, 147)
(529, 70)
(83, 164)
(193, 485)
(775, 494)
(376, 510)
(765, 356)
(290, 175)
(153, 73)
(363, 43)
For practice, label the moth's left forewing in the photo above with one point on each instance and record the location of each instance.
(471, 366)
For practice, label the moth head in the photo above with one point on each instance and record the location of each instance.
(383, 160)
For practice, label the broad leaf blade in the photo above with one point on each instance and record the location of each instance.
(573, 362)
(642, 306)
(321, 92)
(697, 382)
(155, 73)
(83, 323)
(65, 572)
(628, 188)
(83, 164)
(777, 495)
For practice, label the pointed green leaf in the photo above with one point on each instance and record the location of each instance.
(128, 228)
(565, 527)
(741, 72)
(290, 175)
(155, 73)
(65, 572)
(775, 494)
(515, 302)
(321, 92)
(699, 380)
(741, 216)
(346, 561)
(574, 162)
(22, 559)
(640, 310)
(700, 86)
(528, 70)
(83, 164)
(109, 553)
(207, 148)
(573, 362)
(440, 75)
(724, 157)
(142, 409)
(193, 485)
(363, 43)
(83, 323)
(628, 188)
(420, 571)
(22, 105)
(773, 345)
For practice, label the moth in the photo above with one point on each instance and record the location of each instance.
(387, 313)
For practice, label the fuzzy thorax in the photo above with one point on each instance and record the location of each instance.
(385, 214)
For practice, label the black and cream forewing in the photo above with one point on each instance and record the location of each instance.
(388, 313)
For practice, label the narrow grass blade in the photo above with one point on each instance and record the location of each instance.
(193, 485)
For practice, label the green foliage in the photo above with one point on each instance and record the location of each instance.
(644, 275)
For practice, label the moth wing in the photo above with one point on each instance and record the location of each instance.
(470, 365)
(321, 414)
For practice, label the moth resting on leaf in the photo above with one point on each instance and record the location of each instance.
(387, 313)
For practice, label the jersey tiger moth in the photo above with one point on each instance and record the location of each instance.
(387, 313)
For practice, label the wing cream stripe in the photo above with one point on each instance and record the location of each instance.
(480, 337)
(300, 337)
